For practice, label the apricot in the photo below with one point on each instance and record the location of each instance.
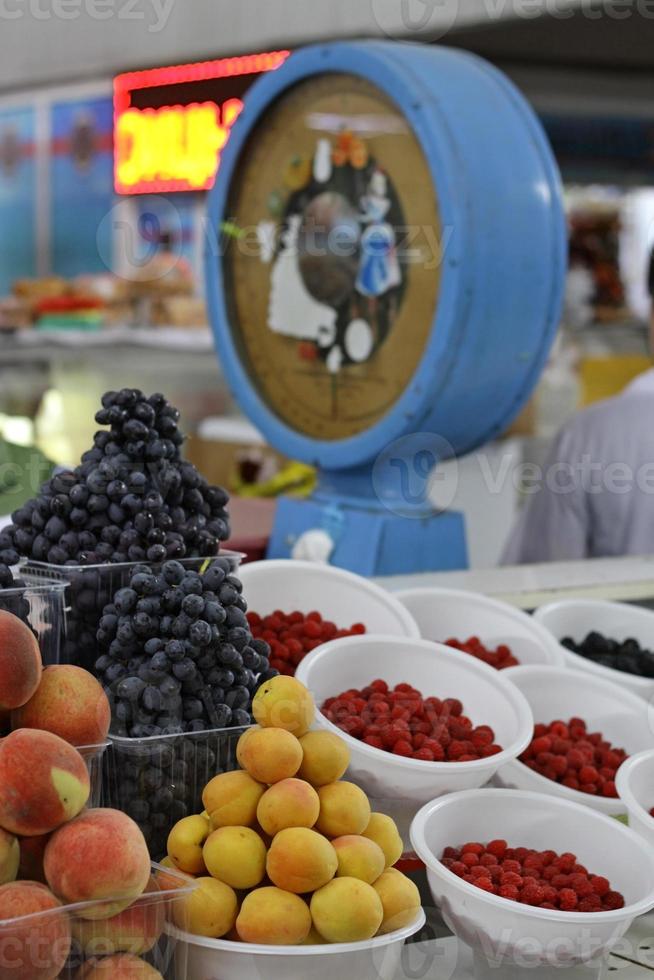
(9, 857)
(43, 782)
(314, 938)
(209, 910)
(269, 754)
(32, 850)
(231, 799)
(400, 900)
(300, 860)
(283, 702)
(273, 917)
(359, 857)
(347, 911)
(20, 662)
(134, 930)
(171, 877)
(383, 831)
(70, 703)
(35, 948)
(325, 758)
(289, 803)
(101, 854)
(185, 843)
(121, 967)
(236, 856)
(344, 809)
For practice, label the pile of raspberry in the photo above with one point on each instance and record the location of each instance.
(401, 721)
(291, 636)
(574, 757)
(500, 658)
(541, 878)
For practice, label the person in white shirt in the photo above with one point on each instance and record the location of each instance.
(596, 498)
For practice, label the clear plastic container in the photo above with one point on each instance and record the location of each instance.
(159, 780)
(40, 604)
(88, 589)
(93, 756)
(56, 943)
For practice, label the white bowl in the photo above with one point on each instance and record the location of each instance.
(435, 670)
(507, 932)
(338, 595)
(635, 782)
(616, 620)
(210, 959)
(444, 613)
(560, 694)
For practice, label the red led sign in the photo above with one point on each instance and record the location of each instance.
(171, 124)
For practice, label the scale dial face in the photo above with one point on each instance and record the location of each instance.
(331, 253)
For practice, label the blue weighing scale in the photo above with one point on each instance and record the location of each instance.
(384, 272)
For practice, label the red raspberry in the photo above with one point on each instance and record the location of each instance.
(543, 744)
(567, 900)
(588, 774)
(532, 895)
(612, 901)
(509, 891)
(497, 847)
(402, 747)
(473, 848)
(424, 754)
(600, 885)
(375, 741)
(459, 868)
(479, 871)
(512, 866)
(485, 884)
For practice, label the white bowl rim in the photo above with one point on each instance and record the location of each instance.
(583, 812)
(623, 783)
(609, 673)
(614, 806)
(276, 565)
(511, 692)
(325, 949)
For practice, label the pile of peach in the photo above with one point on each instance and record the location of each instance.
(53, 852)
(286, 852)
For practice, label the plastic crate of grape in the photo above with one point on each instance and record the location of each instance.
(87, 589)
(39, 601)
(159, 780)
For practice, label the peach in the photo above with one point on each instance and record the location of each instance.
(383, 830)
(70, 703)
(269, 754)
(20, 662)
(135, 930)
(301, 860)
(359, 858)
(237, 856)
(209, 910)
(347, 911)
(344, 809)
(121, 967)
(289, 803)
(283, 702)
(185, 843)
(101, 854)
(273, 917)
(43, 782)
(35, 948)
(400, 900)
(32, 850)
(325, 758)
(9, 857)
(231, 799)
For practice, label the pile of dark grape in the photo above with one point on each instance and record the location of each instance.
(177, 654)
(15, 602)
(132, 499)
(627, 656)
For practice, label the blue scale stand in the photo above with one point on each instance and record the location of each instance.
(498, 190)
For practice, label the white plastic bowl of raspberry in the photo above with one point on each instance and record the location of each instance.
(557, 693)
(442, 614)
(435, 670)
(635, 783)
(511, 940)
(336, 594)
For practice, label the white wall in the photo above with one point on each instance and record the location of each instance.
(45, 41)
